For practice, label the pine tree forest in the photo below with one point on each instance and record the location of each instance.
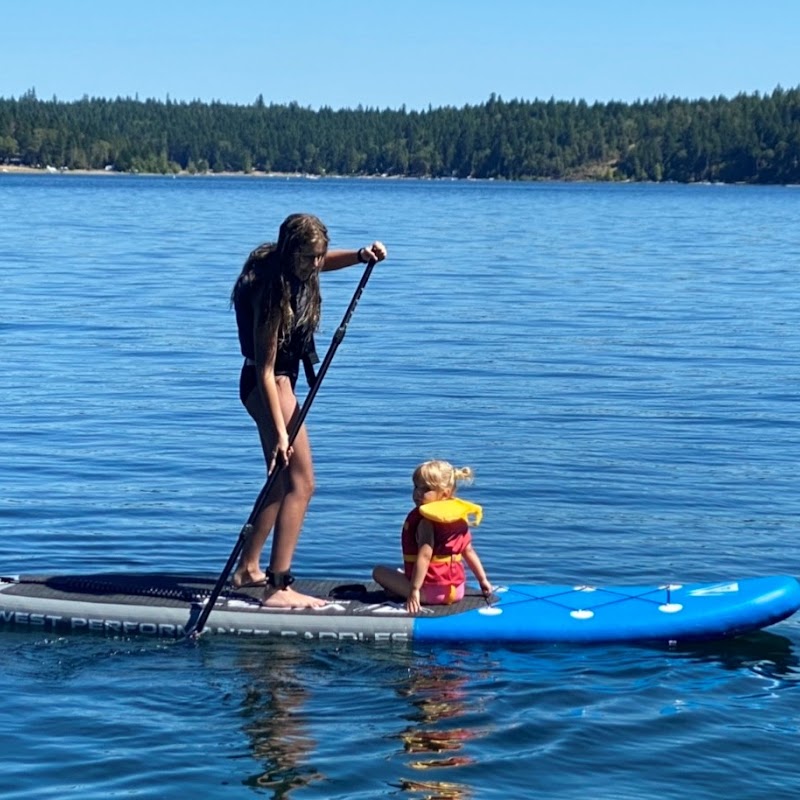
(750, 138)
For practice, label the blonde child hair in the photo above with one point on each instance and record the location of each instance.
(442, 476)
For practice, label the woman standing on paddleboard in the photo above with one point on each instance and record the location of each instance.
(277, 302)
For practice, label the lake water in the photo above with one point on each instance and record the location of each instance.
(618, 363)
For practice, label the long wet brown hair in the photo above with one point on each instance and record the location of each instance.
(275, 271)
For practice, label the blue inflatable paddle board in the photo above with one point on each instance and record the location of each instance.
(168, 605)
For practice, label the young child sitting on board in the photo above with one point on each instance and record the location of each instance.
(436, 541)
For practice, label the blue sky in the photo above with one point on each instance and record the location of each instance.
(386, 53)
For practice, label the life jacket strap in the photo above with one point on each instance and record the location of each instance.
(436, 559)
(310, 358)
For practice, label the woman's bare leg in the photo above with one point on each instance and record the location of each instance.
(248, 570)
(292, 510)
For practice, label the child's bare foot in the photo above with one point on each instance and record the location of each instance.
(289, 598)
(241, 579)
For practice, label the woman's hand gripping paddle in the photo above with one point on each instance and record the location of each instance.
(195, 630)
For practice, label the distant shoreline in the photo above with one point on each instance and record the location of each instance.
(9, 169)
(13, 169)
(18, 170)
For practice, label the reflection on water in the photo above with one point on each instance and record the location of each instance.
(762, 653)
(439, 699)
(435, 790)
(275, 723)
(301, 720)
(297, 702)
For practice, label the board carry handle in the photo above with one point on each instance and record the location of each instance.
(261, 500)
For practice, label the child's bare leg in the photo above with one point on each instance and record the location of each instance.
(394, 581)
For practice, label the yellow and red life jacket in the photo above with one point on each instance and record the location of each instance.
(450, 540)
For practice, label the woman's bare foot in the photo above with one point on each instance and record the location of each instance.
(243, 578)
(289, 598)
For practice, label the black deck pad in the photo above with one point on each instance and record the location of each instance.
(180, 590)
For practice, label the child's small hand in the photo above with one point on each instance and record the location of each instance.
(486, 588)
(413, 604)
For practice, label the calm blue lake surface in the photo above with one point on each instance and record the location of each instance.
(619, 364)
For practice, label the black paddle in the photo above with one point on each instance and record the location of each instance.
(276, 470)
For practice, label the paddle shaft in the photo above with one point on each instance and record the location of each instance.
(263, 495)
